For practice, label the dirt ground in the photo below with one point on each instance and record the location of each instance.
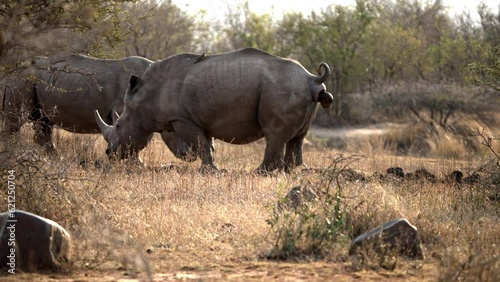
(245, 271)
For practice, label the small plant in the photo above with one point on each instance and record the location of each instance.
(488, 142)
(312, 228)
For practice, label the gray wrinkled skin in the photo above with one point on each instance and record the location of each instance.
(237, 97)
(65, 92)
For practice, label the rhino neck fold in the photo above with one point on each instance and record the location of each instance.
(149, 125)
(145, 114)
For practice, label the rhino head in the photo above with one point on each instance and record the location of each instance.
(128, 135)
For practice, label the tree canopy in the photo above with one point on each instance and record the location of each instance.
(372, 43)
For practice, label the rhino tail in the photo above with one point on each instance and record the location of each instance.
(321, 78)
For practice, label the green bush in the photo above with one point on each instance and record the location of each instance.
(313, 228)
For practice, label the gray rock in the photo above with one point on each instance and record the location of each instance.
(295, 198)
(397, 236)
(351, 175)
(455, 176)
(34, 243)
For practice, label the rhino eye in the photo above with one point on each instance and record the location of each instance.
(117, 126)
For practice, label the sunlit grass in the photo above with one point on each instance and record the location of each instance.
(159, 218)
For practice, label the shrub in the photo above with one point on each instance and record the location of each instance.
(315, 227)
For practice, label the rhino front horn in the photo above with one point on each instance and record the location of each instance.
(105, 128)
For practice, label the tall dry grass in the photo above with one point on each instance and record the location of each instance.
(460, 140)
(167, 216)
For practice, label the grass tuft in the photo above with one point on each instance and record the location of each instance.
(167, 217)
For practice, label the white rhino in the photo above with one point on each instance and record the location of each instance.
(237, 97)
(64, 92)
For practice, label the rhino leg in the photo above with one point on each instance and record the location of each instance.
(293, 154)
(179, 147)
(273, 156)
(14, 119)
(12, 125)
(16, 106)
(197, 139)
(43, 130)
(204, 149)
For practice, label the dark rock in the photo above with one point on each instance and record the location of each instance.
(472, 179)
(353, 176)
(494, 197)
(424, 174)
(410, 176)
(40, 243)
(83, 163)
(396, 171)
(455, 176)
(397, 236)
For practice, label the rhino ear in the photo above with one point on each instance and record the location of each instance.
(134, 82)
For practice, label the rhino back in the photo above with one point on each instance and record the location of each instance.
(82, 84)
(224, 94)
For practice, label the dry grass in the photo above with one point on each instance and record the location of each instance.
(168, 221)
(458, 140)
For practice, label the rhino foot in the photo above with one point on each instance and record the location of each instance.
(263, 172)
(50, 149)
(289, 169)
(211, 169)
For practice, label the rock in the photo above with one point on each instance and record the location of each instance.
(424, 174)
(472, 179)
(295, 198)
(410, 176)
(494, 197)
(455, 176)
(40, 243)
(396, 171)
(397, 236)
(351, 175)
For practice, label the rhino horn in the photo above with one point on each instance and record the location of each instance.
(105, 128)
(323, 77)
